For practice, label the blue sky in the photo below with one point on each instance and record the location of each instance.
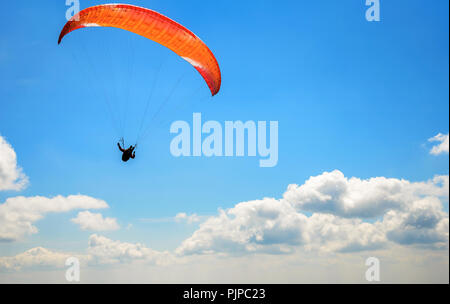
(361, 97)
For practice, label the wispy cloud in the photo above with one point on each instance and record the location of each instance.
(190, 219)
(181, 217)
(442, 145)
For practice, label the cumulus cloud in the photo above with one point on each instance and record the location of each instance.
(11, 176)
(35, 258)
(400, 264)
(274, 226)
(95, 222)
(102, 250)
(442, 145)
(249, 226)
(333, 193)
(407, 213)
(18, 214)
(424, 222)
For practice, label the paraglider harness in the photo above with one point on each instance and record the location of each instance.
(124, 158)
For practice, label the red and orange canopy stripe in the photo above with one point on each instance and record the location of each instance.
(156, 27)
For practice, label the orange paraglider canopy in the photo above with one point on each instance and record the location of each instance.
(156, 27)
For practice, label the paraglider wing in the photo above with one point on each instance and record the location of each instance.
(156, 27)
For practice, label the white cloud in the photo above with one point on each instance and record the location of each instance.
(274, 226)
(181, 217)
(18, 214)
(424, 222)
(248, 227)
(332, 192)
(100, 251)
(11, 176)
(95, 222)
(443, 144)
(328, 233)
(34, 258)
(400, 264)
(106, 251)
(413, 267)
(190, 219)
(412, 213)
(410, 223)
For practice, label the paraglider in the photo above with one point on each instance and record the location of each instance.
(156, 27)
(128, 153)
